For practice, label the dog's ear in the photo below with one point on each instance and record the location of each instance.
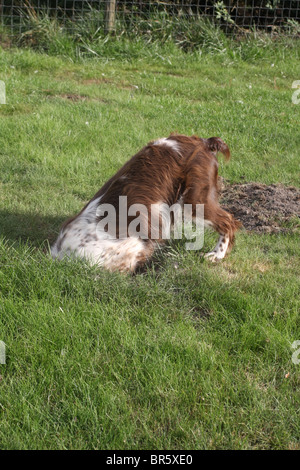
(215, 145)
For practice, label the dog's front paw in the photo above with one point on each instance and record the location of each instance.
(212, 256)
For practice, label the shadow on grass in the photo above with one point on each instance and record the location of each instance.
(32, 228)
(36, 229)
(190, 287)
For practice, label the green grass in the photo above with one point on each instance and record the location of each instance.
(188, 355)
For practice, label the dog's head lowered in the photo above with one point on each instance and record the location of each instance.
(213, 145)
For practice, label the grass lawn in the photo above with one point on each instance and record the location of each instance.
(189, 355)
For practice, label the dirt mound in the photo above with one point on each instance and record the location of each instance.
(263, 208)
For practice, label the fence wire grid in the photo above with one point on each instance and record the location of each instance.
(109, 15)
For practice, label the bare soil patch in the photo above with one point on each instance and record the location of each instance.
(74, 97)
(96, 81)
(122, 84)
(262, 208)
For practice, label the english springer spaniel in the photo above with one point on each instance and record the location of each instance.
(177, 169)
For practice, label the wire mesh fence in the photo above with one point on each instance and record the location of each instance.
(126, 15)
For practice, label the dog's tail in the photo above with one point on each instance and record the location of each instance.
(215, 145)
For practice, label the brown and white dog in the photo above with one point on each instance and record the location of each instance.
(169, 170)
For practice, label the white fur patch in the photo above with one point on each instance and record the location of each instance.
(82, 238)
(219, 251)
(208, 224)
(168, 143)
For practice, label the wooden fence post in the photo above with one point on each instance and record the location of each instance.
(110, 15)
